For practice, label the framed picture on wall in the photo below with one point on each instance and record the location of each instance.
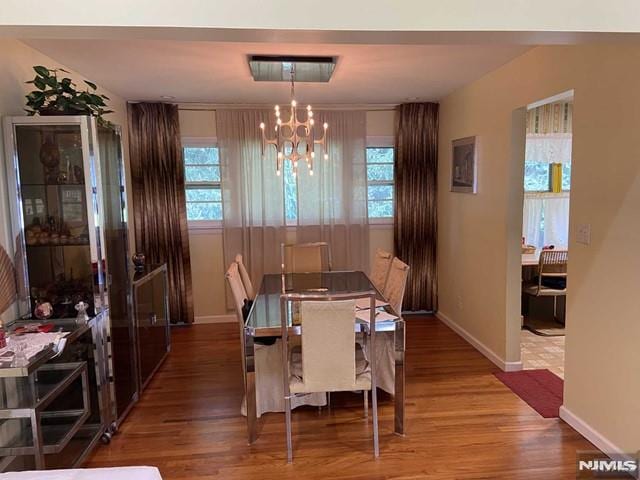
(463, 165)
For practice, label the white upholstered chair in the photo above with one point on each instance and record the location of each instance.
(267, 362)
(380, 270)
(396, 283)
(305, 257)
(552, 277)
(328, 351)
(246, 279)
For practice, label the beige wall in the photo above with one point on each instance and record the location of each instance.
(479, 234)
(16, 61)
(207, 264)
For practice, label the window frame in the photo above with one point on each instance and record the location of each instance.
(202, 142)
(381, 142)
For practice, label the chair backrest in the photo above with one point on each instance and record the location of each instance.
(380, 271)
(552, 263)
(246, 279)
(237, 289)
(305, 257)
(328, 339)
(396, 283)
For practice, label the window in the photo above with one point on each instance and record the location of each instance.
(540, 177)
(202, 181)
(380, 182)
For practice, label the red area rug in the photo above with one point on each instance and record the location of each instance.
(541, 389)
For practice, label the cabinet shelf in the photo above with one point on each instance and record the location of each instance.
(55, 245)
(51, 380)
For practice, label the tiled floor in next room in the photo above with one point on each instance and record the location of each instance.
(542, 352)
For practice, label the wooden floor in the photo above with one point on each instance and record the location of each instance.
(462, 423)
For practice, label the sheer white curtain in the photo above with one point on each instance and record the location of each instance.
(332, 204)
(548, 148)
(546, 215)
(553, 210)
(252, 193)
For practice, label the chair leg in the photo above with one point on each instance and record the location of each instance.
(287, 412)
(374, 405)
(366, 403)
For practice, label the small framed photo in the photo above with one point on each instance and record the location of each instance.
(463, 165)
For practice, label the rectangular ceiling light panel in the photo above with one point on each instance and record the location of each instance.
(279, 68)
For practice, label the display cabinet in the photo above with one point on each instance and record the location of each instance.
(68, 213)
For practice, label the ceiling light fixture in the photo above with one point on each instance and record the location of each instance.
(293, 135)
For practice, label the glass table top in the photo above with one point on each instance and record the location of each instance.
(264, 317)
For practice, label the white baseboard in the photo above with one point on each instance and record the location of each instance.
(207, 319)
(478, 345)
(587, 431)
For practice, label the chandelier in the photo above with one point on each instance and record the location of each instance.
(295, 139)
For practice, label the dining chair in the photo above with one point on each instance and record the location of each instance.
(246, 279)
(380, 271)
(305, 257)
(552, 277)
(328, 351)
(396, 283)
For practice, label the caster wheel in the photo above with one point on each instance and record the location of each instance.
(105, 438)
(113, 428)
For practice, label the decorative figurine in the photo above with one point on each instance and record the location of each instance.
(82, 317)
(43, 310)
(138, 261)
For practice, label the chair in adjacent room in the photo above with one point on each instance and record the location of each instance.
(380, 270)
(328, 356)
(552, 277)
(305, 257)
(246, 279)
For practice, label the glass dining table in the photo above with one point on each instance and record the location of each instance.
(264, 320)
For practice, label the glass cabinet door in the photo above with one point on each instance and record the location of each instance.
(51, 174)
(117, 282)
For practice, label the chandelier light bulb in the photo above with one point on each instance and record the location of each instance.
(311, 122)
(278, 113)
(311, 172)
(262, 125)
(279, 122)
(295, 164)
(294, 103)
(308, 108)
(326, 156)
(310, 114)
(277, 108)
(326, 125)
(278, 172)
(313, 154)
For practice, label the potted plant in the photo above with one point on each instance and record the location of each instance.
(61, 97)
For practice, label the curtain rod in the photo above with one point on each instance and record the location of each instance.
(204, 107)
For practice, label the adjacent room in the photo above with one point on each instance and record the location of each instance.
(380, 247)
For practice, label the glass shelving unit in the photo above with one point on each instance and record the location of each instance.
(65, 179)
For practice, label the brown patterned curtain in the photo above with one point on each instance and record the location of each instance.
(415, 223)
(157, 175)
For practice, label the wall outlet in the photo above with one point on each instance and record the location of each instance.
(584, 234)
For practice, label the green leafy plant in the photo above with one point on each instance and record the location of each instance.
(56, 96)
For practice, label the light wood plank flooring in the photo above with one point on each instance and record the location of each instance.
(462, 423)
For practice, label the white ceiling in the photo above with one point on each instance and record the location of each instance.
(217, 72)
